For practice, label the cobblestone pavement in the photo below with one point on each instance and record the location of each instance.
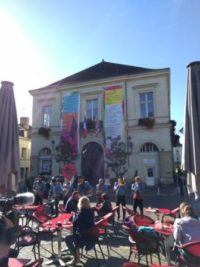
(119, 244)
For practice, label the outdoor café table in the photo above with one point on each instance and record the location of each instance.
(158, 211)
(27, 209)
(166, 231)
(13, 262)
(59, 223)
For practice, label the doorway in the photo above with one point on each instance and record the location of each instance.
(92, 162)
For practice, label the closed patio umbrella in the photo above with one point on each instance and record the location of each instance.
(9, 140)
(191, 143)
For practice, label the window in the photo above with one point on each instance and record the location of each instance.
(149, 147)
(23, 153)
(92, 109)
(150, 172)
(46, 166)
(45, 151)
(146, 105)
(47, 114)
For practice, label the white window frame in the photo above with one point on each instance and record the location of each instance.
(93, 117)
(146, 102)
(47, 121)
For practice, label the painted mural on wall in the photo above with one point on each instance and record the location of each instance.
(114, 124)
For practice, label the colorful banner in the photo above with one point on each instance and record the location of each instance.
(70, 118)
(114, 96)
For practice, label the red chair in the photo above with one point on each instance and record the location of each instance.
(27, 237)
(173, 213)
(93, 235)
(142, 244)
(190, 255)
(142, 220)
(102, 226)
(40, 216)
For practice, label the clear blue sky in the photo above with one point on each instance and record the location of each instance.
(45, 40)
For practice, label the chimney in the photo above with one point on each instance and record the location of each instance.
(7, 85)
(24, 121)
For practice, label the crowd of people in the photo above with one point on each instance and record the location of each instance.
(71, 190)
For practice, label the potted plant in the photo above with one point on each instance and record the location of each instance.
(148, 122)
(44, 131)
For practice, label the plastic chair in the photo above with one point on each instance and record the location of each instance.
(189, 254)
(142, 220)
(27, 237)
(40, 216)
(144, 245)
(173, 213)
(92, 239)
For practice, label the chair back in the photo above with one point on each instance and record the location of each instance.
(192, 248)
(174, 212)
(145, 244)
(142, 220)
(40, 215)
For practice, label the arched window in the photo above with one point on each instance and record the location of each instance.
(149, 147)
(45, 152)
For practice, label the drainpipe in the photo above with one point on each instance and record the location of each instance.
(126, 123)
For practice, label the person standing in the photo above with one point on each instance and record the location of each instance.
(100, 189)
(39, 190)
(84, 187)
(56, 191)
(120, 191)
(138, 191)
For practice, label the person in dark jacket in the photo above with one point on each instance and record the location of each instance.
(82, 222)
(120, 190)
(105, 207)
(71, 205)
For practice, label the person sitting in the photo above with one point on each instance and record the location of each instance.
(56, 191)
(82, 222)
(84, 187)
(71, 205)
(187, 228)
(100, 189)
(105, 207)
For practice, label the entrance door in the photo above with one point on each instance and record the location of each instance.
(92, 162)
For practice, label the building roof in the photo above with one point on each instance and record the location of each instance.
(102, 70)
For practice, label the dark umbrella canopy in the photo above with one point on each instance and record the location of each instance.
(9, 139)
(191, 143)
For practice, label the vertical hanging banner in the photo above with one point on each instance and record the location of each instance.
(70, 118)
(114, 96)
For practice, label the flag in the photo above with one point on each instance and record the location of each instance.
(85, 130)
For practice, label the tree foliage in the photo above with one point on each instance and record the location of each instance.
(117, 155)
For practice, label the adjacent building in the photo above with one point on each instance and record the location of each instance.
(96, 105)
(24, 147)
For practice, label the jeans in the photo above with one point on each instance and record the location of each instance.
(138, 203)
